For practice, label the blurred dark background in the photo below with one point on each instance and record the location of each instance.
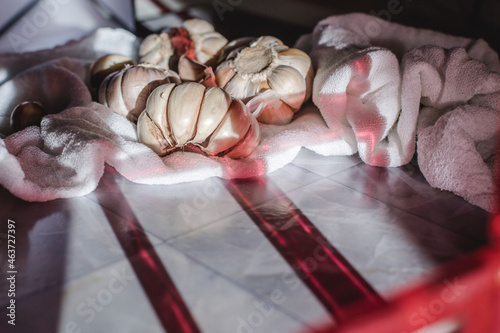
(288, 19)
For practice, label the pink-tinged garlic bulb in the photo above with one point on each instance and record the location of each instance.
(280, 75)
(196, 39)
(126, 91)
(190, 113)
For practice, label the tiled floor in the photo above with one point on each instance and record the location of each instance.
(110, 261)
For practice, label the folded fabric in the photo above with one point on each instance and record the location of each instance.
(373, 101)
(103, 41)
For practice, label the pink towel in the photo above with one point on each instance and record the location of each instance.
(370, 88)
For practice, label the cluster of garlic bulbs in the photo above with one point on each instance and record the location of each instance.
(271, 78)
(190, 113)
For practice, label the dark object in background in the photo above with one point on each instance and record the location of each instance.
(288, 19)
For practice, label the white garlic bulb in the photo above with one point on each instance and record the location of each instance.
(267, 64)
(180, 114)
(196, 39)
(126, 91)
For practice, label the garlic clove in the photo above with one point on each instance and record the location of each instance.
(136, 85)
(198, 26)
(154, 58)
(110, 94)
(213, 42)
(156, 107)
(149, 44)
(249, 142)
(223, 74)
(295, 58)
(280, 114)
(289, 84)
(300, 61)
(183, 110)
(231, 130)
(150, 134)
(242, 88)
(212, 111)
(106, 65)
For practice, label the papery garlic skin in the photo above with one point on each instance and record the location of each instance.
(126, 91)
(268, 64)
(161, 50)
(190, 113)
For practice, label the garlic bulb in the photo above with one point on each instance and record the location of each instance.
(26, 114)
(180, 114)
(126, 91)
(268, 64)
(197, 40)
(106, 65)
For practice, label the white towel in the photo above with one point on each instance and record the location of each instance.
(371, 84)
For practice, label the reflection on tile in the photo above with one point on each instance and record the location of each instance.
(237, 249)
(291, 177)
(220, 305)
(387, 245)
(406, 188)
(59, 241)
(168, 211)
(324, 165)
(107, 300)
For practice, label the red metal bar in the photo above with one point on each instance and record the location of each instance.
(166, 300)
(339, 287)
(465, 291)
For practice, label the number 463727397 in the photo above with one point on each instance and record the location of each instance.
(11, 244)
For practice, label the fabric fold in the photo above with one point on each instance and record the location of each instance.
(370, 89)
